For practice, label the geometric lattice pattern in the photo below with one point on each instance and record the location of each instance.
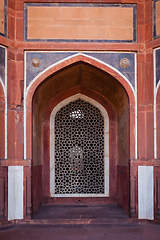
(79, 149)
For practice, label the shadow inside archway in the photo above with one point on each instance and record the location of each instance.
(105, 89)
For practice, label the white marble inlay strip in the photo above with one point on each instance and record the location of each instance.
(15, 192)
(145, 192)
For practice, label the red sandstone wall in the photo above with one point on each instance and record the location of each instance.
(145, 93)
(76, 22)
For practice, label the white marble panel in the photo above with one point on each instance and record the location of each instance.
(106, 176)
(150, 192)
(145, 192)
(15, 192)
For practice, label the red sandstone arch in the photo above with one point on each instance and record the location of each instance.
(36, 91)
(40, 84)
(60, 66)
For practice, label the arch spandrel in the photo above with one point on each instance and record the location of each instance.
(55, 68)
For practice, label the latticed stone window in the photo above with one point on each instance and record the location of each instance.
(79, 149)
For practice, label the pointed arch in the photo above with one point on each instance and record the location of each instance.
(64, 82)
(106, 141)
(55, 68)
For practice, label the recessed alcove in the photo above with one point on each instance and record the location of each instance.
(107, 91)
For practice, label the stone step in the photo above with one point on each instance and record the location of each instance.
(77, 221)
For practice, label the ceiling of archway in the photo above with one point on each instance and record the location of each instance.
(81, 74)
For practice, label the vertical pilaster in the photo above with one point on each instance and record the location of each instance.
(145, 89)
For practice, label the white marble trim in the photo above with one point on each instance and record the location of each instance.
(5, 96)
(5, 103)
(25, 111)
(155, 99)
(136, 142)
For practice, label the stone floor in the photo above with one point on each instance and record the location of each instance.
(98, 211)
(129, 231)
(56, 222)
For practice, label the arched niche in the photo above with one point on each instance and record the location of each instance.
(100, 86)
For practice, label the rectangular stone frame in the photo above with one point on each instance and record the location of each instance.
(134, 6)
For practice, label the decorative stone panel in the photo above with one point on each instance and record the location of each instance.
(79, 149)
(48, 58)
(80, 22)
